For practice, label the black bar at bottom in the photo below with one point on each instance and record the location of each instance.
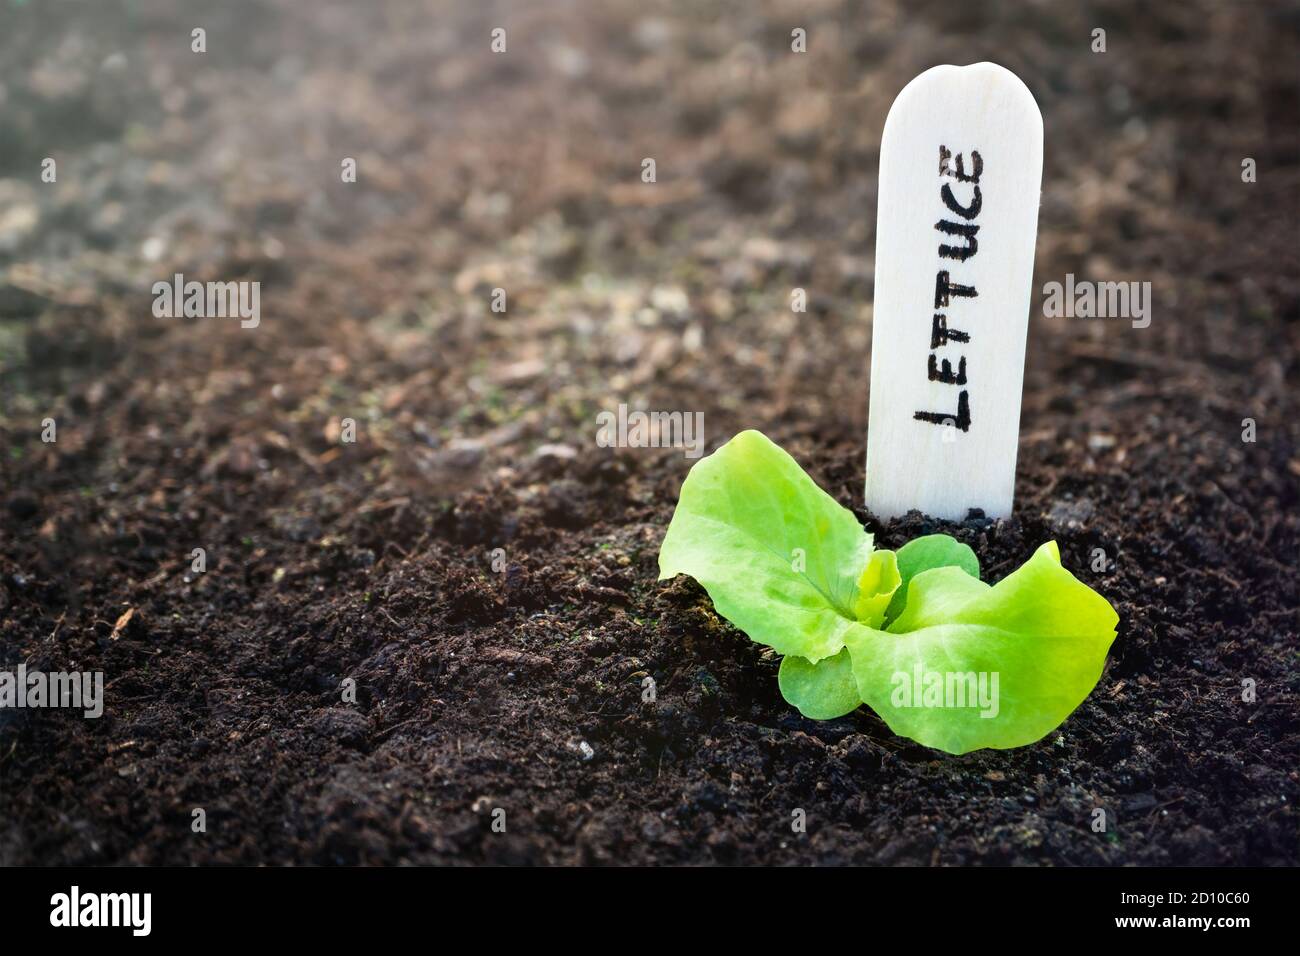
(334, 906)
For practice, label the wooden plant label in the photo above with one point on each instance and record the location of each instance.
(961, 165)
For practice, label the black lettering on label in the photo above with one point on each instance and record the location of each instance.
(959, 174)
(961, 420)
(946, 290)
(942, 371)
(940, 334)
(966, 231)
(966, 212)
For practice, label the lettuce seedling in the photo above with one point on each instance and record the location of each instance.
(943, 657)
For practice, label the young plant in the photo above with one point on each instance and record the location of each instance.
(942, 657)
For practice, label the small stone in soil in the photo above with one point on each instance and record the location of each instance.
(583, 749)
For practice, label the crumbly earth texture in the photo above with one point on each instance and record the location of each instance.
(479, 569)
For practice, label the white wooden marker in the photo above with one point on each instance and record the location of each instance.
(961, 166)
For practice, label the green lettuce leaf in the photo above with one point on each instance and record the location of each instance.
(1031, 648)
(877, 587)
(924, 553)
(822, 691)
(942, 657)
(780, 558)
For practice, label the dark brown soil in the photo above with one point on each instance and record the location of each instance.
(522, 689)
